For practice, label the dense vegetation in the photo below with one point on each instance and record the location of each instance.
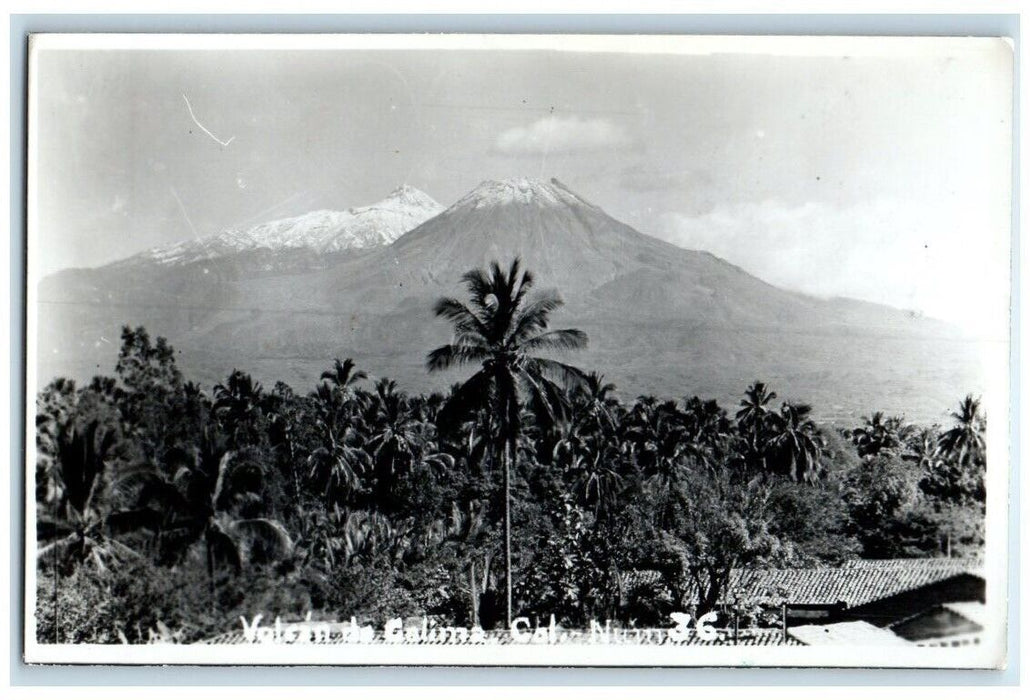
(165, 511)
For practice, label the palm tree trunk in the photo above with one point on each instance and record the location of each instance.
(211, 574)
(507, 532)
(293, 471)
(474, 593)
(57, 600)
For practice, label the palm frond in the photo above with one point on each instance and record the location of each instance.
(562, 340)
(455, 355)
(223, 468)
(59, 551)
(534, 316)
(461, 317)
(479, 285)
(525, 284)
(566, 375)
(264, 540)
(546, 400)
(342, 374)
(223, 548)
(48, 529)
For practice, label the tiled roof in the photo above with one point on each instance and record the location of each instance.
(855, 633)
(641, 578)
(854, 583)
(749, 638)
(225, 638)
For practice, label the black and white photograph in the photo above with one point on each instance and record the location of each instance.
(518, 350)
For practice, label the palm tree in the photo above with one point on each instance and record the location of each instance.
(959, 473)
(501, 331)
(753, 417)
(208, 494)
(795, 441)
(339, 460)
(598, 405)
(706, 422)
(590, 460)
(964, 442)
(598, 480)
(74, 532)
(663, 451)
(880, 433)
(342, 375)
(465, 531)
(399, 442)
(237, 405)
(923, 449)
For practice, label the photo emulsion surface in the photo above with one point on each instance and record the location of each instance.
(518, 350)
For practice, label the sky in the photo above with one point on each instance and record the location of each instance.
(879, 175)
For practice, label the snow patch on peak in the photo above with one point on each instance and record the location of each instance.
(403, 201)
(322, 231)
(411, 196)
(522, 190)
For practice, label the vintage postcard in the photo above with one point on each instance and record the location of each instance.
(518, 350)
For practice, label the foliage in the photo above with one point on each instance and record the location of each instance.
(163, 513)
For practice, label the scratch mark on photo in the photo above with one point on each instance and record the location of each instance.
(203, 128)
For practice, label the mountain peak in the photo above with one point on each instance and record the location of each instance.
(321, 231)
(520, 190)
(409, 196)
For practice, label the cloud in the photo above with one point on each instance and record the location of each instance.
(554, 134)
(905, 254)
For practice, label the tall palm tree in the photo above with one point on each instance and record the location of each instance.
(501, 330)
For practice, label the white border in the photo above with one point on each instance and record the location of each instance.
(989, 654)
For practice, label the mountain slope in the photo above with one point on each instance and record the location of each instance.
(661, 319)
(322, 231)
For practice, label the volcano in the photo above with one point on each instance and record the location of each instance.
(320, 232)
(661, 319)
